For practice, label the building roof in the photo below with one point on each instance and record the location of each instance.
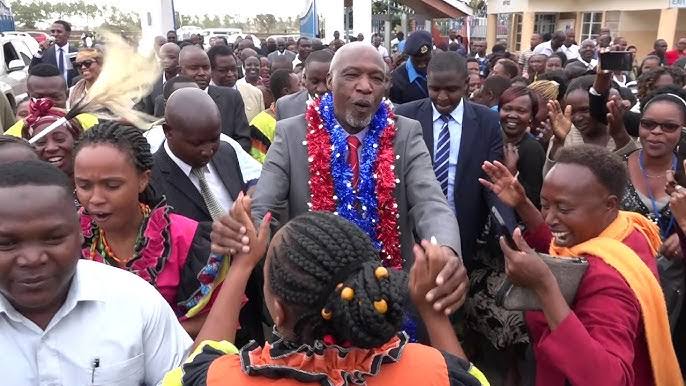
(439, 9)
(434, 9)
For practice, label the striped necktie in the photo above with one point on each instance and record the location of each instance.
(353, 159)
(442, 155)
(211, 202)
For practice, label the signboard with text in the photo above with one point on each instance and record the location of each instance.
(677, 3)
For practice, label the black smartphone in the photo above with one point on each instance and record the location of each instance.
(617, 60)
(503, 229)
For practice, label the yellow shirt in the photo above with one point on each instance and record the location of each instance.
(86, 120)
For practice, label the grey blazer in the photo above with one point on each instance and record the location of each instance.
(291, 105)
(289, 54)
(423, 209)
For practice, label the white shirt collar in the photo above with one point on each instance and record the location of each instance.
(185, 168)
(456, 114)
(64, 47)
(592, 63)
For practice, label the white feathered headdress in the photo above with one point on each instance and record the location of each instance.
(126, 77)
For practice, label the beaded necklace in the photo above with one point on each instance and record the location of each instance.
(101, 246)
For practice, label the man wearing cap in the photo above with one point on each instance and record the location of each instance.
(409, 80)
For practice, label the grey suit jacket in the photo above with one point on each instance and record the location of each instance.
(289, 54)
(423, 209)
(291, 105)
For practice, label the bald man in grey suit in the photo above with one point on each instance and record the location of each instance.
(423, 209)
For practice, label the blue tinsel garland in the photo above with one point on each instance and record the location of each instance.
(347, 200)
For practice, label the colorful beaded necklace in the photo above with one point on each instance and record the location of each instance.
(101, 246)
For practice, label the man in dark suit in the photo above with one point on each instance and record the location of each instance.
(60, 54)
(460, 136)
(408, 82)
(169, 57)
(200, 176)
(195, 64)
(314, 78)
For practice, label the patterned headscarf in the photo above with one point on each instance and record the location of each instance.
(43, 111)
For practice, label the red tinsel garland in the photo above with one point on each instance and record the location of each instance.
(322, 193)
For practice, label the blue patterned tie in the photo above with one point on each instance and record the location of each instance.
(442, 155)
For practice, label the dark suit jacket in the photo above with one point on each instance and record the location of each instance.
(181, 194)
(50, 57)
(147, 104)
(185, 199)
(160, 106)
(232, 111)
(481, 141)
(402, 91)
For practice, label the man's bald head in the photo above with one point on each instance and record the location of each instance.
(246, 53)
(169, 56)
(352, 52)
(192, 126)
(245, 43)
(189, 107)
(170, 48)
(189, 52)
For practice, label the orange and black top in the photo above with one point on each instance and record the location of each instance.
(281, 363)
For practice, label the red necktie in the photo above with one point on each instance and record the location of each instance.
(353, 159)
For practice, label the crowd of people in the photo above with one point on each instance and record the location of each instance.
(339, 214)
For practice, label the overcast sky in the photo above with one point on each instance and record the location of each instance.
(283, 8)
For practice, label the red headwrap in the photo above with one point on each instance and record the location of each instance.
(41, 112)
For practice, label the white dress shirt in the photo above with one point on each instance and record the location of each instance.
(65, 60)
(250, 167)
(220, 192)
(546, 49)
(110, 316)
(383, 51)
(589, 65)
(571, 52)
(455, 129)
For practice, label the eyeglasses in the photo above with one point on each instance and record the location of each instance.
(84, 64)
(649, 124)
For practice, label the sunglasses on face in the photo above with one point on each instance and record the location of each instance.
(84, 64)
(649, 124)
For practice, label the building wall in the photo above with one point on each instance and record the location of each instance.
(680, 26)
(504, 6)
(640, 29)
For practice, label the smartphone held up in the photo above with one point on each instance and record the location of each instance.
(617, 60)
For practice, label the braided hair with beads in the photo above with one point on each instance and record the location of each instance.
(127, 139)
(328, 272)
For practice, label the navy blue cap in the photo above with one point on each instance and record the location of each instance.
(418, 43)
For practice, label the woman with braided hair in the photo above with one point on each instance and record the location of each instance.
(337, 312)
(58, 146)
(126, 225)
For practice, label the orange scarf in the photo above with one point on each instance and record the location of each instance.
(645, 286)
